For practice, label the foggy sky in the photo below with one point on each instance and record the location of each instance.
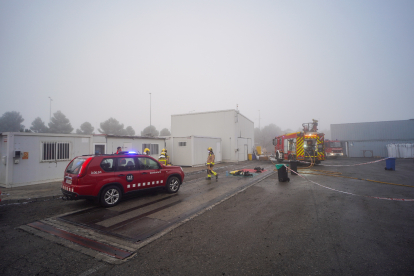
(335, 61)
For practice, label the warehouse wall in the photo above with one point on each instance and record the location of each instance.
(378, 148)
(370, 139)
(389, 130)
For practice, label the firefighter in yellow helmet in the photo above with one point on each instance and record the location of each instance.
(146, 151)
(164, 157)
(210, 164)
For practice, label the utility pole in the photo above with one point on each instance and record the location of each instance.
(150, 116)
(50, 115)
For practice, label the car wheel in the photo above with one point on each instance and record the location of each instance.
(111, 196)
(173, 184)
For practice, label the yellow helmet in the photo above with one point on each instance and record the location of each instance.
(164, 150)
(146, 150)
(209, 149)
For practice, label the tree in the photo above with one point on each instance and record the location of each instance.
(11, 121)
(130, 131)
(39, 126)
(112, 126)
(150, 131)
(85, 128)
(59, 123)
(264, 137)
(165, 132)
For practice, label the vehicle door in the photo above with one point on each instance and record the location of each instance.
(151, 172)
(127, 173)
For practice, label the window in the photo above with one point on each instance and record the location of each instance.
(108, 165)
(75, 165)
(154, 149)
(147, 164)
(55, 151)
(126, 164)
(182, 144)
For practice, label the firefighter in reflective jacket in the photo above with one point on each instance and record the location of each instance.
(210, 164)
(146, 151)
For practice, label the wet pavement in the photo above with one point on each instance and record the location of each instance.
(147, 215)
(352, 222)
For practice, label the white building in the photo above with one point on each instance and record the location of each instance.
(32, 158)
(234, 129)
(192, 150)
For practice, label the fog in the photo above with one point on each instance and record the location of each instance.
(279, 62)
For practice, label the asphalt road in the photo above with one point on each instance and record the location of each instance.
(271, 228)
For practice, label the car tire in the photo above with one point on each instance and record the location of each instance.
(111, 196)
(173, 185)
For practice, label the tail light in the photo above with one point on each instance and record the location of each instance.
(83, 170)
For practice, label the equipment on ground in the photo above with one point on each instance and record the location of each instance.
(258, 169)
(306, 145)
(241, 173)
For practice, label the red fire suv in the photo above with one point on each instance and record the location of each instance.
(109, 177)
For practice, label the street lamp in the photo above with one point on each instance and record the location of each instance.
(50, 115)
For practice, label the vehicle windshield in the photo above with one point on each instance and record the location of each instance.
(335, 144)
(75, 165)
(309, 144)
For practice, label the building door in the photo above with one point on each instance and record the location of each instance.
(218, 152)
(242, 149)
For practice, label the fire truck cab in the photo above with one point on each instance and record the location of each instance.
(306, 145)
(333, 148)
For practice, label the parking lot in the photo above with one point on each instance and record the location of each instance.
(355, 221)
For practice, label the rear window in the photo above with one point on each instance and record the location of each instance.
(75, 165)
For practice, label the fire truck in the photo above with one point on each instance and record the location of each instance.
(306, 145)
(333, 148)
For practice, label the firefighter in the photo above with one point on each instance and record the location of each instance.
(118, 150)
(164, 157)
(164, 152)
(146, 151)
(210, 164)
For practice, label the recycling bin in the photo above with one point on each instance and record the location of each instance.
(390, 164)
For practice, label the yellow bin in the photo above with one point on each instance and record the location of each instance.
(250, 156)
